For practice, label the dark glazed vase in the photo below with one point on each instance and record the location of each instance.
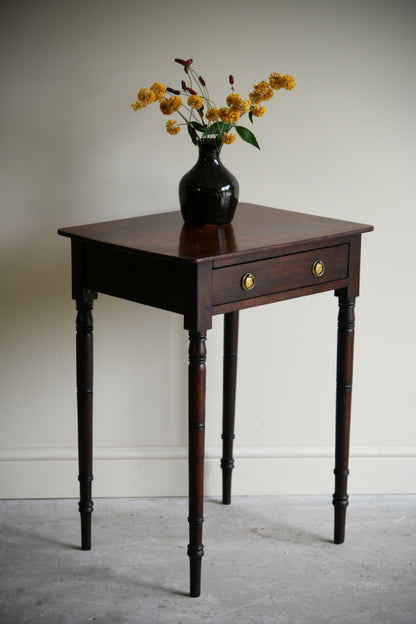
(208, 193)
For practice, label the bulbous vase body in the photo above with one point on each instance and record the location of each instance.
(208, 193)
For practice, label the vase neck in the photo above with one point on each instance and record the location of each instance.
(209, 152)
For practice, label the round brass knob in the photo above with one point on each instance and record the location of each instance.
(248, 281)
(318, 268)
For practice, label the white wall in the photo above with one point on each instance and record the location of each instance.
(341, 145)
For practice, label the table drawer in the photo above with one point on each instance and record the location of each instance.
(263, 277)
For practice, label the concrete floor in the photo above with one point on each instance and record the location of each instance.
(267, 560)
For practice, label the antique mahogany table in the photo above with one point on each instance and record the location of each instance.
(265, 255)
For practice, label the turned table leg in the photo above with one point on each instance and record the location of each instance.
(345, 353)
(84, 364)
(196, 414)
(228, 410)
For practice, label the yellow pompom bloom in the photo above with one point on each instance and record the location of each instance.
(171, 126)
(234, 100)
(244, 106)
(170, 105)
(229, 115)
(258, 111)
(223, 114)
(289, 82)
(228, 138)
(277, 81)
(212, 114)
(267, 94)
(159, 90)
(164, 107)
(146, 96)
(175, 103)
(262, 92)
(233, 115)
(195, 101)
(137, 105)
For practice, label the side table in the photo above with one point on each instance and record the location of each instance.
(265, 255)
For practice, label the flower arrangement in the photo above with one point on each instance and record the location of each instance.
(204, 120)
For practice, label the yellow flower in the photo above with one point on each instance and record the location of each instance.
(164, 107)
(258, 111)
(195, 101)
(262, 92)
(175, 103)
(289, 82)
(137, 105)
(170, 105)
(245, 106)
(282, 82)
(223, 114)
(146, 96)
(211, 114)
(228, 138)
(229, 115)
(234, 100)
(275, 81)
(233, 115)
(159, 90)
(171, 127)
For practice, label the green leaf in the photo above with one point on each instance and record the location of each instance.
(219, 127)
(192, 134)
(213, 129)
(197, 126)
(250, 116)
(247, 136)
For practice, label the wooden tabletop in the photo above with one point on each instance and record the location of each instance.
(254, 228)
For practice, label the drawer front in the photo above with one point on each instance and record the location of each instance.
(264, 277)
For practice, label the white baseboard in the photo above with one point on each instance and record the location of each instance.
(162, 471)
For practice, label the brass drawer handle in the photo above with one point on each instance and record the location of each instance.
(318, 268)
(248, 281)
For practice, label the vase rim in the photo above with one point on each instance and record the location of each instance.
(206, 140)
(209, 143)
